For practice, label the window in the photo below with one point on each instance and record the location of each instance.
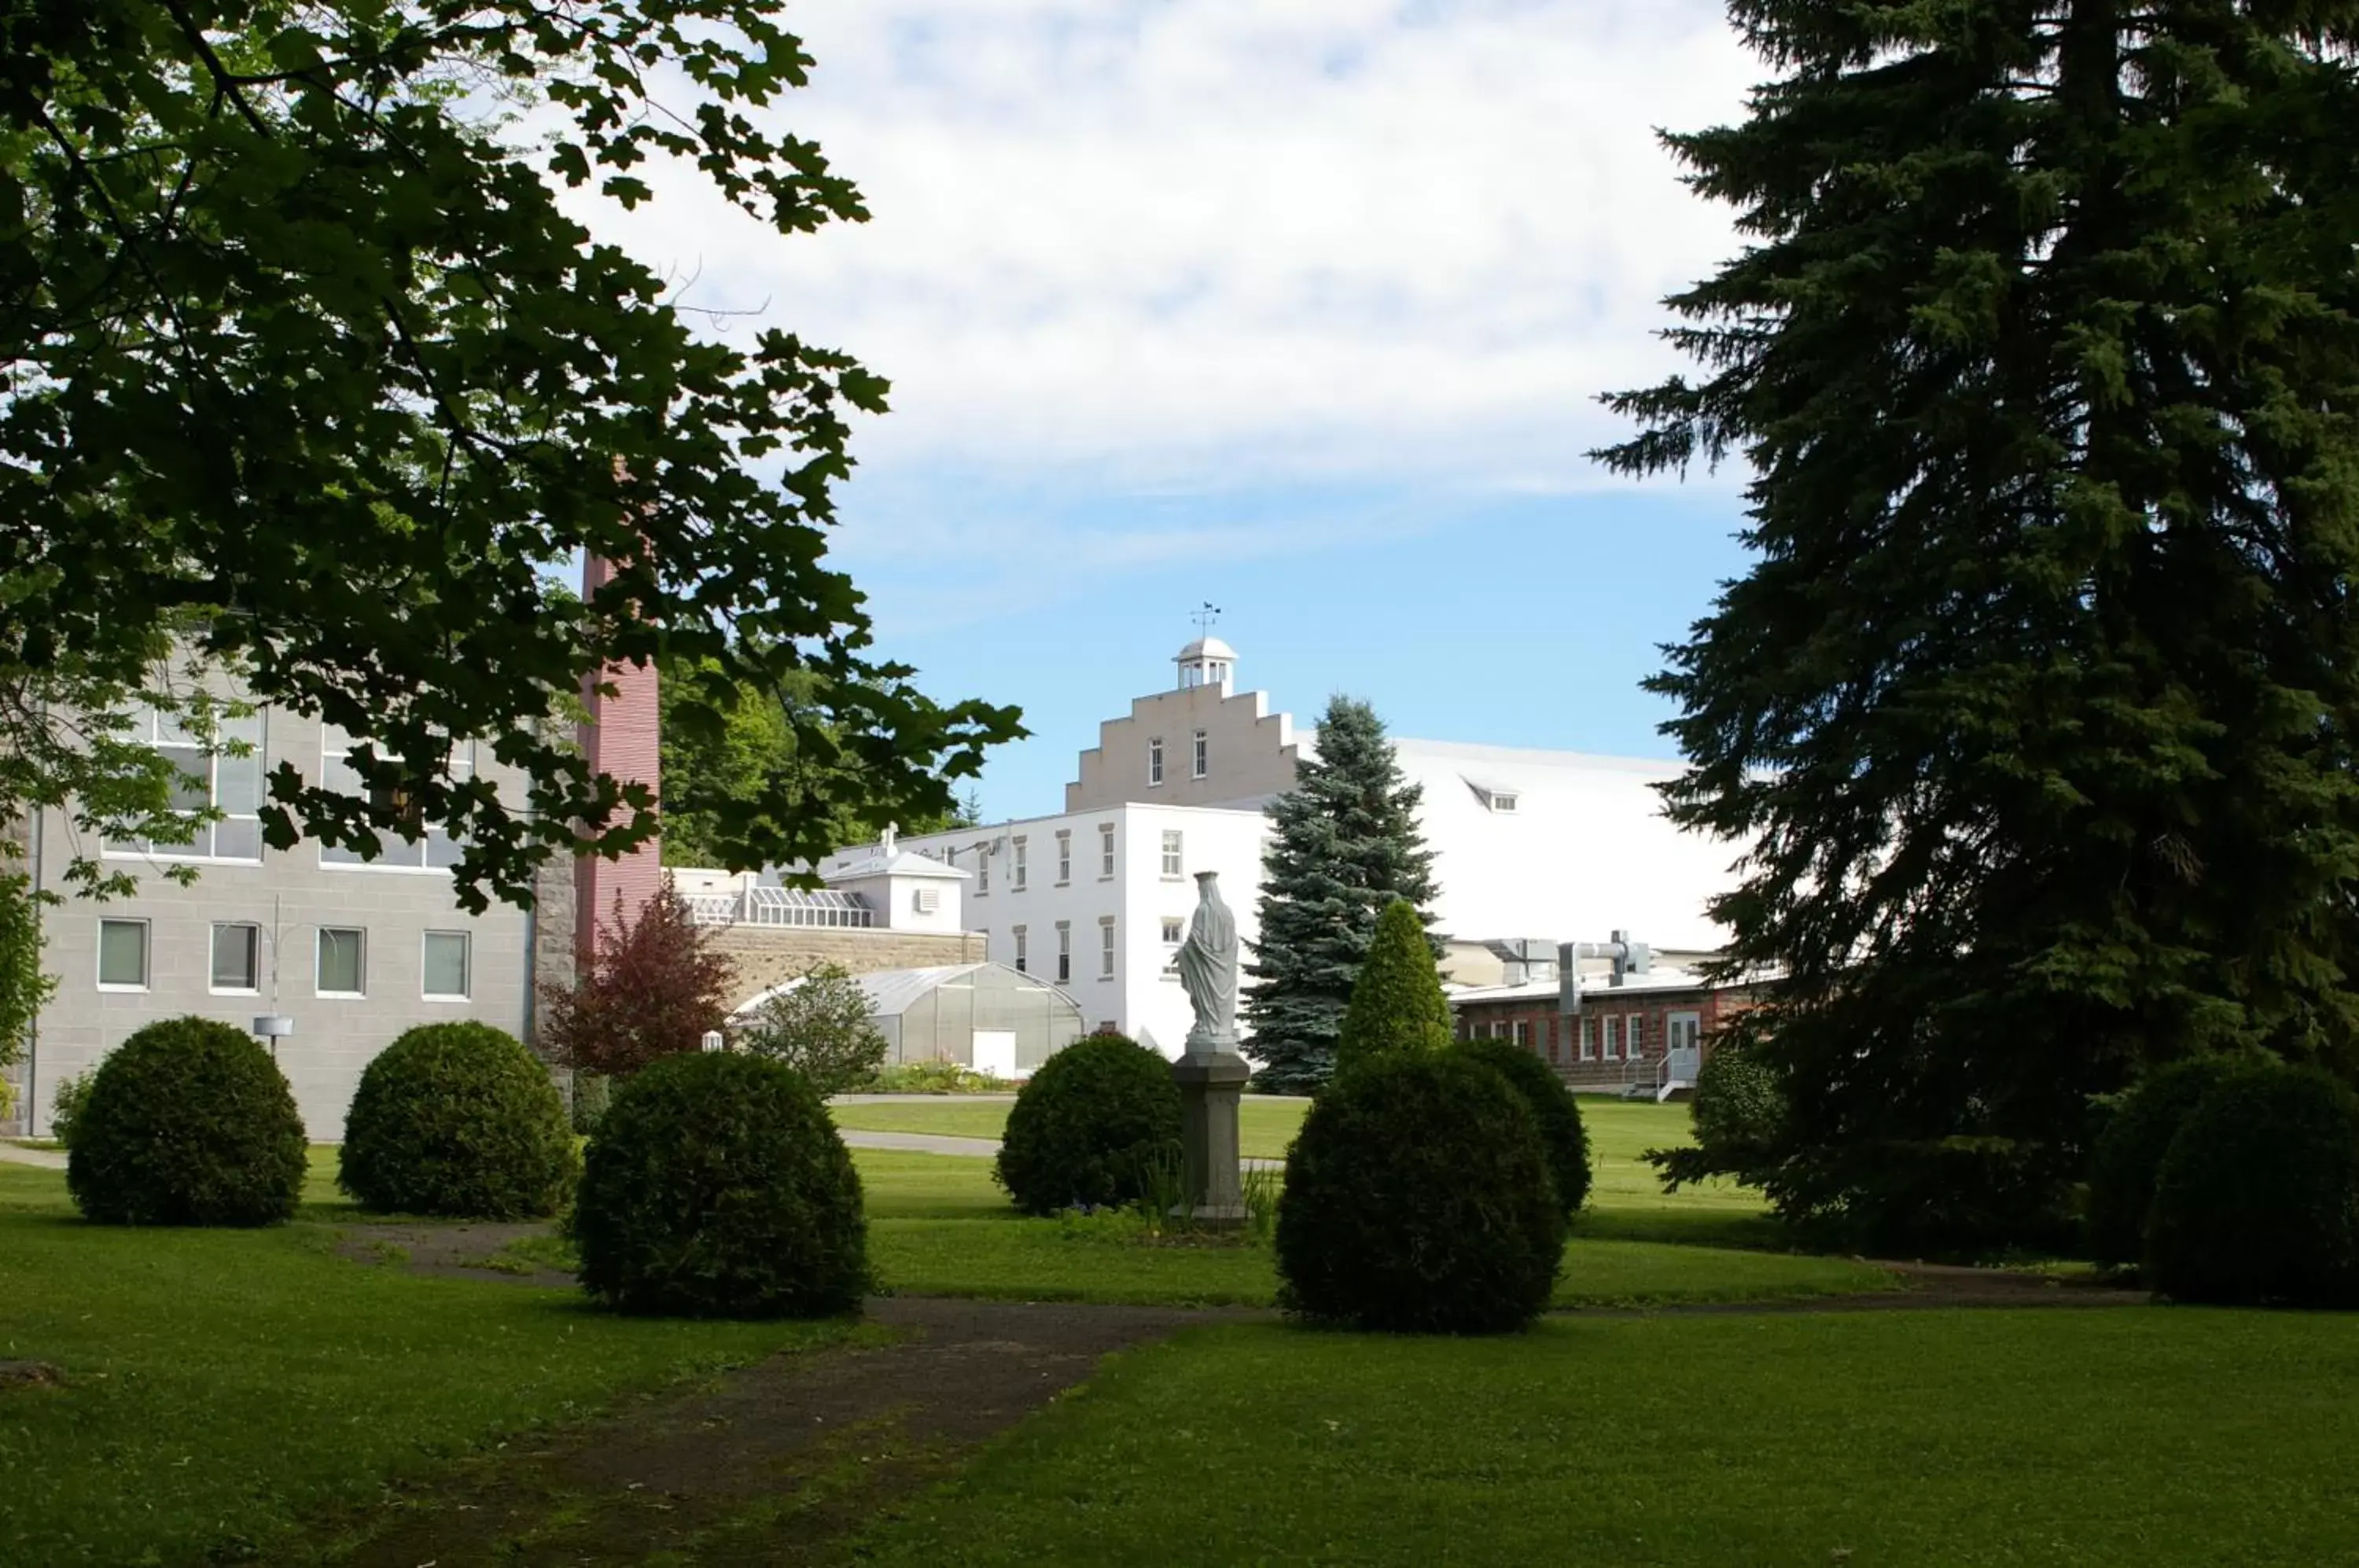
(210, 780)
(1503, 803)
(1064, 855)
(1588, 1043)
(1612, 1027)
(237, 958)
(1106, 947)
(1175, 931)
(981, 870)
(1634, 1029)
(1023, 950)
(1524, 1033)
(343, 962)
(434, 850)
(1171, 856)
(1020, 872)
(1064, 951)
(1154, 762)
(123, 955)
(1498, 1029)
(1203, 754)
(1106, 851)
(446, 967)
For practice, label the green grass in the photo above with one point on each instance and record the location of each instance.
(938, 1227)
(220, 1384)
(2142, 1436)
(1264, 1127)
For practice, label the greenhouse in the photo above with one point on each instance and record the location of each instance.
(988, 1016)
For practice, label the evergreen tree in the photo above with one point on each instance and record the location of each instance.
(2037, 706)
(1345, 844)
(1396, 1003)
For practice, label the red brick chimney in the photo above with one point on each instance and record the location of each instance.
(622, 736)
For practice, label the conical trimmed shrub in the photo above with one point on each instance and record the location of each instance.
(1396, 1003)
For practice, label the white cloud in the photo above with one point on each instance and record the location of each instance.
(1232, 241)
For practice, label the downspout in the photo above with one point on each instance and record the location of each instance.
(40, 944)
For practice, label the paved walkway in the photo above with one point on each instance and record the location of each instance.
(18, 1154)
(922, 1142)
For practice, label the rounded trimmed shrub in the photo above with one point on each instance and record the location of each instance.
(1418, 1198)
(717, 1186)
(458, 1120)
(2128, 1159)
(189, 1122)
(1088, 1126)
(2258, 1199)
(1555, 1113)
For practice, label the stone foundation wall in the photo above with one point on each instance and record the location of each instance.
(763, 956)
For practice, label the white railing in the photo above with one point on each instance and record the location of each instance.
(782, 907)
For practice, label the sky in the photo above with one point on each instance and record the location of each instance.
(1302, 310)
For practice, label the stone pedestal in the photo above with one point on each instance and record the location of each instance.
(1210, 1083)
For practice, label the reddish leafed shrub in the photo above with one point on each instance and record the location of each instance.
(654, 990)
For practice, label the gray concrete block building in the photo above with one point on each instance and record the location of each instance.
(351, 952)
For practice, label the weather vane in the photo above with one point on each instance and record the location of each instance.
(1205, 618)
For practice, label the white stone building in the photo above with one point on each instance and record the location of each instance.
(1528, 845)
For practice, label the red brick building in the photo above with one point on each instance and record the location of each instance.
(1650, 1034)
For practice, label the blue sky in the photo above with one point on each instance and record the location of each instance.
(1302, 309)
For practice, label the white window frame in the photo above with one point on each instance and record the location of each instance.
(1633, 1037)
(147, 955)
(1610, 1027)
(1106, 947)
(1019, 873)
(1154, 762)
(1064, 855)
(1199, 757)
(1175, 932)
(148, 729)
(982, 870)
(1106, 852)
(1064, 952)
(213, 960)
(1588, 1041)
(1524, 1033)
(467, 966)
(394, 852)
(319, 950)
(1023, 936)
(1175, 855)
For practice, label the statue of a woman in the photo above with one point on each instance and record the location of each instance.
(1207, 970)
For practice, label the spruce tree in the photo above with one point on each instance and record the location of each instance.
(1345, 844)
(2036, 705)
(1396, 1003)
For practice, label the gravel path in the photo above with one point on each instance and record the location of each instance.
(46, 1159)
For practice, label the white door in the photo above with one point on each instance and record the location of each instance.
(994, 1052)
(1683, 1046)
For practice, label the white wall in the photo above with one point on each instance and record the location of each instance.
(1138, 998)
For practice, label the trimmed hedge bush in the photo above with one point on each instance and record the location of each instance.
(2258, 1199)
(1086, 1128)
(1396, 1001)
(1418, 1198)
(1555, 1113)
(718, 1187)
(458, 1120)
(189, 1122)
(2128, 1159)
(1739, 1110)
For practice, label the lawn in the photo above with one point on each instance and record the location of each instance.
(2138, 1436)
(1265, 1126)
(220, 1384)
(1626, 1200)
(938, 1227)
